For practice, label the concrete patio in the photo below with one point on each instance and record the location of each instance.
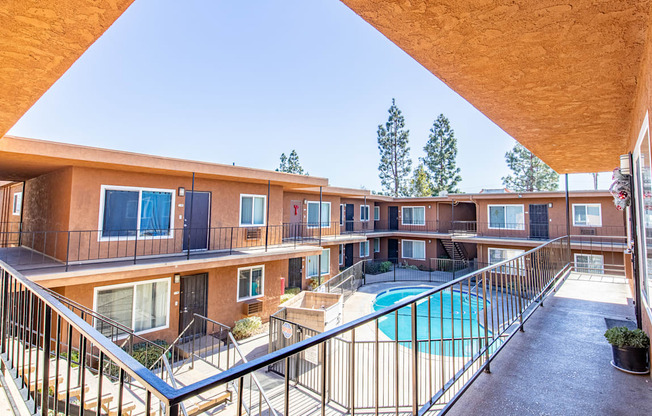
(560, 365)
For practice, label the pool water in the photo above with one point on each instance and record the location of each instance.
(459, 320)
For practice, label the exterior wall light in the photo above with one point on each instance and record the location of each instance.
(177, 278)
(550, 205)
(182, 191)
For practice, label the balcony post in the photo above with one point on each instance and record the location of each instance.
(68, 250)
(192, 197)
(22, 210)
(568, 217)
(415, 361)
(321, 202)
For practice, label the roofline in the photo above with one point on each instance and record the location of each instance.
(78, 155)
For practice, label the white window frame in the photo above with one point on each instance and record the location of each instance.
(98, 289)
(376, 242)
(341, 255)
(323, 273)
(521, 226)
(364, 253)
(364, 208)
(413, 241)
(502, 249)
(415, 206)
(323, 220)
(104, 188)
(262, 281)
(588, 225)
(376, 213)
(591, 271)
(252, 210)
(17, 203)
(342, 214)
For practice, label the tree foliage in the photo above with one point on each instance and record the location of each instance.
(529, 173)
(441, 152)
(421, 185)
(291, 164)
(395, 163)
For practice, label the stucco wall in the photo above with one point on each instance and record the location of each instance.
(9, 222)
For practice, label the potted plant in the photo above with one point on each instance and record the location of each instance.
(630, 349)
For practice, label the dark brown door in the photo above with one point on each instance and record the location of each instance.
(393, 218)
(539, 221)
(294, 272)
(392, 250)
(193, 300)
(195, 220)
(348, 255)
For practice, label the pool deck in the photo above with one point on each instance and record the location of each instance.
(560, 365)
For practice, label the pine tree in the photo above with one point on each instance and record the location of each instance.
(291, 164)
(421, 185)
(529, 172)
(441, 151)
(284, 164)
(395, 163)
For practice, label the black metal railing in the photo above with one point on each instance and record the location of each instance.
(435, 349)
(534, 231)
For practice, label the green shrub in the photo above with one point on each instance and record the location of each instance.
(621, 336)
(244, 328)
(373, 267)
(148, 354)
(314, 283)
(290, 293)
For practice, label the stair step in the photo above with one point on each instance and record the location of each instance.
(39, 384)
(92, 403)
(74, 392)
(127, 408)
(208, 404)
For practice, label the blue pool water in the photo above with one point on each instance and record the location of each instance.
(459, 320)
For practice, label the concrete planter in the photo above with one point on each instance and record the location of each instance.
(631, 359)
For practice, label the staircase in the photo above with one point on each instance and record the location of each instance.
(455, 250)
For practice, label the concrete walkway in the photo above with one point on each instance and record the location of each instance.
(560, 365)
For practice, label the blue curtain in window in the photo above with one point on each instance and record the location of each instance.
(120, 213)
(155, 213)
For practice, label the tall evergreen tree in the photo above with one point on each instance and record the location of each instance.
(291, 164)
(529, 173)
(420, 185)
(395, 163)
(441, 151)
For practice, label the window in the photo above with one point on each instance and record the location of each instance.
(313, 214)
(18, 203)
(252, 210)
(413, 249)
(508, 217)
(376, 213)
(313, 262)
(589, 263)
(376, 245)
(341, 256)
(414, 216)
(142, 306)
(364, 212)
(127, 210)
(587, 215)
(364, 248)
(496, 255)
(251, 282)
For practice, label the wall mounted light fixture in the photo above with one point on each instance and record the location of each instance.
(177, 278)
(182, 191)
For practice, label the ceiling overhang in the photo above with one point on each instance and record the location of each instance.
(558, 76)
(39, 41)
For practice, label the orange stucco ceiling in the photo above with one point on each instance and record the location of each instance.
(39, 41)
(559, 76)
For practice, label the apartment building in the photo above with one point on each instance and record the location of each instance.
(150, 241)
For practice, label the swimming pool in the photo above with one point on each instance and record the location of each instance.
(459, 319)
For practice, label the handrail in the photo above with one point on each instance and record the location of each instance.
(253, 376)
(167, 367)
(258, 363)
(172, 344)
(112, 351)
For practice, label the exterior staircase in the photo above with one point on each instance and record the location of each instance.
(455, 250)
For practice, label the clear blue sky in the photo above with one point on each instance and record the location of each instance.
(241, 82)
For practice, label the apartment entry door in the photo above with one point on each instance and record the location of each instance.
(539, 221)
(350, 209)
(348, 255)
(294, 272)
(393, 218)
(392, 250)
(193, 299)
(296, 217)
(196, 220)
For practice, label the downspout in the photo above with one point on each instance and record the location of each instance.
(634, 244)
(22, 211)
